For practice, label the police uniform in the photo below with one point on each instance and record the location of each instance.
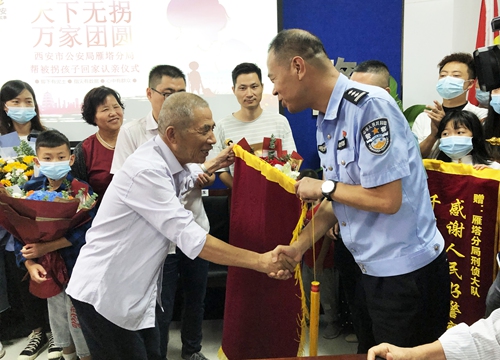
(364, 139)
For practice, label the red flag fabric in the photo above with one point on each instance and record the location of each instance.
(467, 209)
(262, 316)
(485, 37)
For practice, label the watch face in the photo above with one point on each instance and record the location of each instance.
(327, 187)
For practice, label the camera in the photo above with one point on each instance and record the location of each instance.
(487, 62)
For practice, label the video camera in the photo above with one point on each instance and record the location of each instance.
(487, 62)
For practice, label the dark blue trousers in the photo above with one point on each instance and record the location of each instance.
(107, 341)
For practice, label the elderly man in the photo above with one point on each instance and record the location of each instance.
(165, 80)
(115, 282)
(374, 185)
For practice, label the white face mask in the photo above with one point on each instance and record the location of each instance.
(21, 115)
(55, 170)
(450, 87)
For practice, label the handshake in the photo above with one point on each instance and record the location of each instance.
(280, 263)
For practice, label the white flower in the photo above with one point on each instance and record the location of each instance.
(287, 170)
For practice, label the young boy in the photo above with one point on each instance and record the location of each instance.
(326, 274)
(54, 160)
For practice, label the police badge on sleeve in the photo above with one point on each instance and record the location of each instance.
(377, 136)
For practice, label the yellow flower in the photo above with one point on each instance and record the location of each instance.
(28, 159)
(5, 182)
(29, 173)
(14, 165)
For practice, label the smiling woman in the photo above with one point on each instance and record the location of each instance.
(102, 107)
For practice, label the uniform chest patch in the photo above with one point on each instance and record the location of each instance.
(322, 148)
(377, 136)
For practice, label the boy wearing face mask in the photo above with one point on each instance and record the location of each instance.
(54, 160)
(456, 77)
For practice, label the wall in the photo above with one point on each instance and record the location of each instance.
(432, 30)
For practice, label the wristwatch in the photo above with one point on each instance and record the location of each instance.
(328, 188)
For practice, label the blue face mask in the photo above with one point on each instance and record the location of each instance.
(55, 170)
(495, 103)
(450, 87)
(21, 115)
(456, 147)
(483, 97)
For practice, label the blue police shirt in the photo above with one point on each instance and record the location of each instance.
(367, 141)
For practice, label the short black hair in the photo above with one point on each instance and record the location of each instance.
(246, 68)
(159, 71)
(307, 173)
(93, 99)
(374, 67)
(371, 66)
(296, 42)
(461, 57)
(51, 139)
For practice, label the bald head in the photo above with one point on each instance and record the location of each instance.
(372, 72)
(178, 110)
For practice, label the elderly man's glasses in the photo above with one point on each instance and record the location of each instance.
(165, 94)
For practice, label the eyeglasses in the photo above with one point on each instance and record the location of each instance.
(166, 94)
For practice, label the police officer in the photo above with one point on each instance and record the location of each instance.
(374, 185)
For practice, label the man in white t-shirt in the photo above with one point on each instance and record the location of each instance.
(250, 122)
(456, 77)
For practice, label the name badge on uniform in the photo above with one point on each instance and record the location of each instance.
(342, 143)
(377, 136)
(322, 148)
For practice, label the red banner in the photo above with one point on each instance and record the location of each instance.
(262, 316)
(466, 205)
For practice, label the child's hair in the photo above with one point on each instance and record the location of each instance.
(469, 120)
(51, 139)
(307, 173)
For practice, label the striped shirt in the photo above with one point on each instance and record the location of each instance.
(479, 341)
(265, 125)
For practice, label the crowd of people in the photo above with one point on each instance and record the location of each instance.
(395, 277)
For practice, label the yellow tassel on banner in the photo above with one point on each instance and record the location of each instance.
(314, 319)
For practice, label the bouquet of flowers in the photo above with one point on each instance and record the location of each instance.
(45, 216)
(270, 150)
(17, 170)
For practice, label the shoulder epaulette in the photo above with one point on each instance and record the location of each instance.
(354, 95)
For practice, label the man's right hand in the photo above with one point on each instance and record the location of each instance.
(286, 254)
(436, 114)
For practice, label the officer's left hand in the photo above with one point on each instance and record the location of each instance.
(309, 189)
